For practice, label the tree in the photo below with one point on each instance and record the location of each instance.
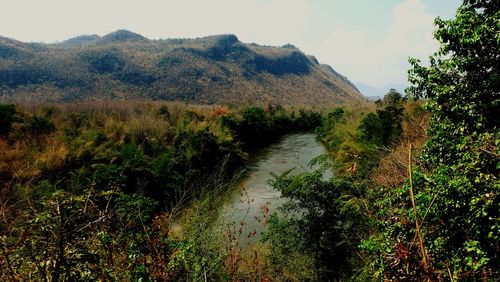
(325, 223)
(458, 186)
(385, 127)
(392, 98)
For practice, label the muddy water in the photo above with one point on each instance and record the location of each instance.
(254, 199)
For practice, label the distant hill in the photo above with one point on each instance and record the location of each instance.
(374, 93)
(81, 39)
(127, 65)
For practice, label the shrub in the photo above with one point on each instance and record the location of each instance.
(6, 118)
(330, 218)
(38, 125)
(457, 185)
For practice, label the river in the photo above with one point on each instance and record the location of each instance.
(254, 199)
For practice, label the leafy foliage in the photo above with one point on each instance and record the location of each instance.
(457, 192)
(257, 126)
(354, 137)
(384, 127)
(325, 216)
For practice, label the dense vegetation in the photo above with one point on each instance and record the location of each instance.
(125, 65)
(440, 223)
(89, 192)
(132, 191)
(456, 186)
(329, 218)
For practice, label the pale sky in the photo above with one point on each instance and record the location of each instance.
(369, 41)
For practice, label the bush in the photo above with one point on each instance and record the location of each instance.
(457, 186)
(326, 216)
(6, 118)
(384, 127)
(38, 125)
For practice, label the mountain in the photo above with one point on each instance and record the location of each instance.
(127, 65)
(81, 39)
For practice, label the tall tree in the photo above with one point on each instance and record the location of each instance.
(457, 189)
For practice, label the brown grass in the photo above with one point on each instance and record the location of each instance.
(393, 166)
(16, 161)
(53, 155)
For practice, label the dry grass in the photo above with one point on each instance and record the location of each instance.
(393, 167)
(53, 155)
(16, 161)
(250, 264)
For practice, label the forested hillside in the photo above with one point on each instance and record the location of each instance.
(125, 65)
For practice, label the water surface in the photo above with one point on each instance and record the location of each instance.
(255, 199)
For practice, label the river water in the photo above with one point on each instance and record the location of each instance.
(254, 200)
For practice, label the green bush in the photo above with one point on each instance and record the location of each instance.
(384, 127)
(326, 220)
(457, 194)
(38, 125)
(256, 127)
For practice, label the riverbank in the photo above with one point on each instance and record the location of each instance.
(120, 172)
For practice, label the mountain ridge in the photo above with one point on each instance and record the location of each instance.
(206, 70)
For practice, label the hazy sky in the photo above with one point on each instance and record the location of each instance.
(367, 40)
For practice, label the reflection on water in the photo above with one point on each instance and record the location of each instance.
(255, 199)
